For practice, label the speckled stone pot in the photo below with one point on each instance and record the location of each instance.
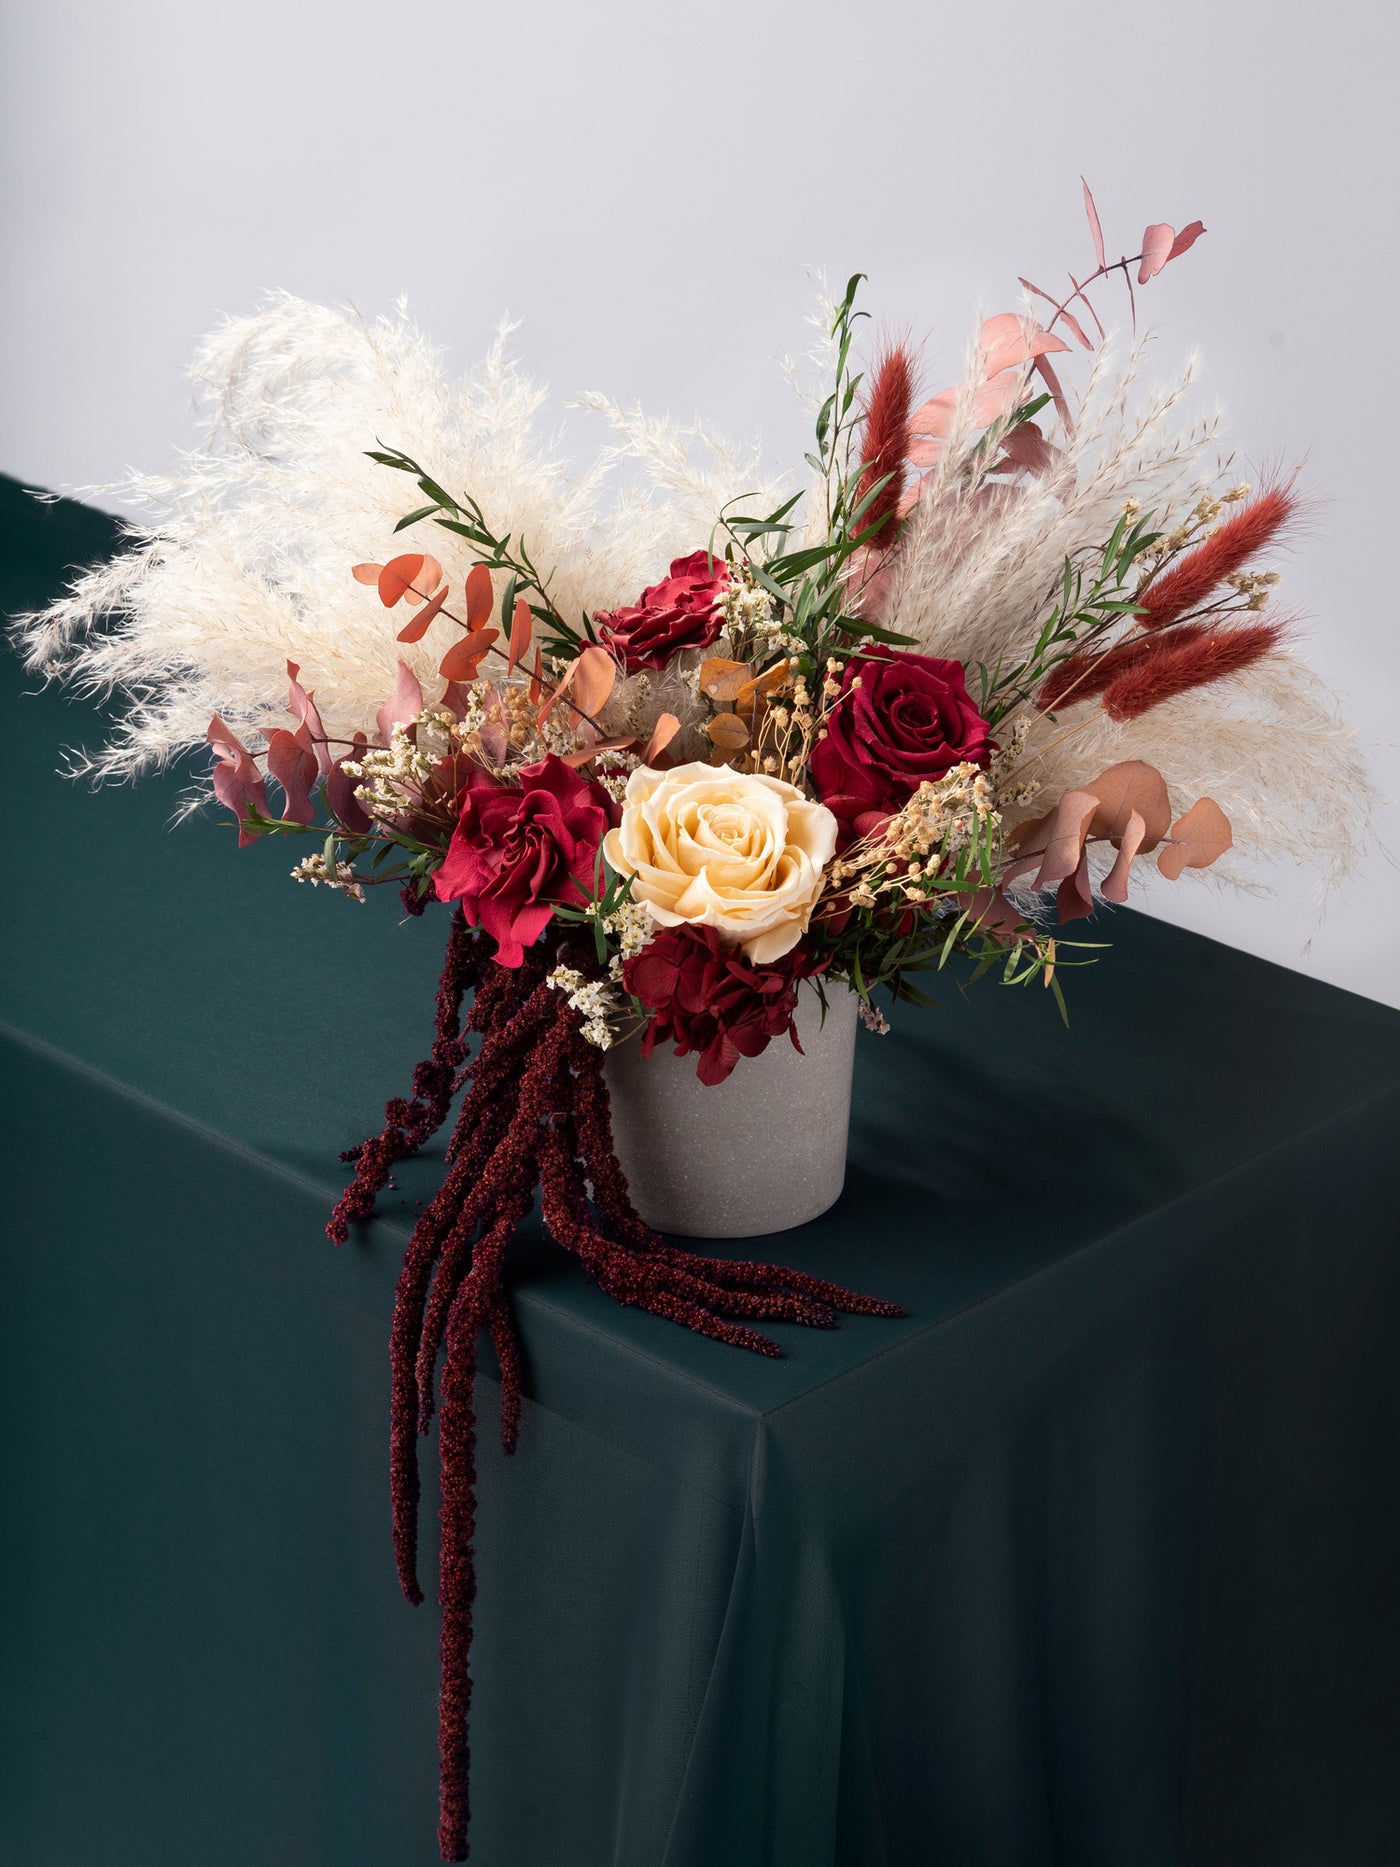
(762, 1152)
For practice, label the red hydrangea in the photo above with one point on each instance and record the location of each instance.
(518, 849)
(899, 719)
(708, 998)
(682, 611)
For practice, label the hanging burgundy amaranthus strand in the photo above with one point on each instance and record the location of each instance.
(536, 1116)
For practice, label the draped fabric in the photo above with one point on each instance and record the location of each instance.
(1088, 1561)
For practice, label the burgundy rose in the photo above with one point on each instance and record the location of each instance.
(682, 611)
(517, 849)
(899, 719)
(708, 997)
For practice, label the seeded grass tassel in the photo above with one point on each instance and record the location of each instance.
(536, 1115)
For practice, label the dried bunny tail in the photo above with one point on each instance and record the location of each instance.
(885, 438)
(1220, 654)
(1270, 746)
(1187, 583)
(1085, 675)
(980, 561)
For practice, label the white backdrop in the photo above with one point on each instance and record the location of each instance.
(644, 186)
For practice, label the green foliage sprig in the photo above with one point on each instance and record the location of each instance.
(1090, 602)
(499, 551)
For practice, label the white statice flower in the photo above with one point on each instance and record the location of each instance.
(593, 999)
(750, 619)
(316, 870)
(391, 774)
(612, 769)
(630, 924)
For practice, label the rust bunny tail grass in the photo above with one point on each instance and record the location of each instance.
(1184, 665)
(1085, 676)
(1199, 571)
(885, 440)
(536, 1115)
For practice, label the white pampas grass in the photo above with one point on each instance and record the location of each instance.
(244, 560)
(981, 560)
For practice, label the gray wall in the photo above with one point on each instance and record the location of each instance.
(643, 185)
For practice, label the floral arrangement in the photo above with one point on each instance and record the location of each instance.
(676, 755)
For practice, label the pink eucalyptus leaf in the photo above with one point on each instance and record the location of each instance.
(1197, 839)
(1075, 328)
(340, 792)
(991, 912)
(400, 575)
(1064, 837)
(921, 453)
(366, 573)
(664, 731)
(1127, 789)
(237, 793)
(518, 641)
(1008, 340)
(597, 673)
(463, 660)
(1074, 898)
(494, 734)
(1038, 291)
(228, 745)
(1018, 870)
(479, 596)
(1052, 383)
(1026, 449)
(1095, 230)
(303, 707)
(1098, 321)
(417, 626)
(229, 788)
(294, 767)
(1186, 239)
(934, 417)
(1115, 883)
(426, 582)
(557, 692)
(1156, 250)
(404, 705)
(997, 398)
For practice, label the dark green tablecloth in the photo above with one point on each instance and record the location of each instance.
(1092, 1560)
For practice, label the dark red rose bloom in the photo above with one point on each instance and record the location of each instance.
(516, 849)
(910, 719)
(679, 612)
(709, 998)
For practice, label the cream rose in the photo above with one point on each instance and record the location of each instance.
(725, 849)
